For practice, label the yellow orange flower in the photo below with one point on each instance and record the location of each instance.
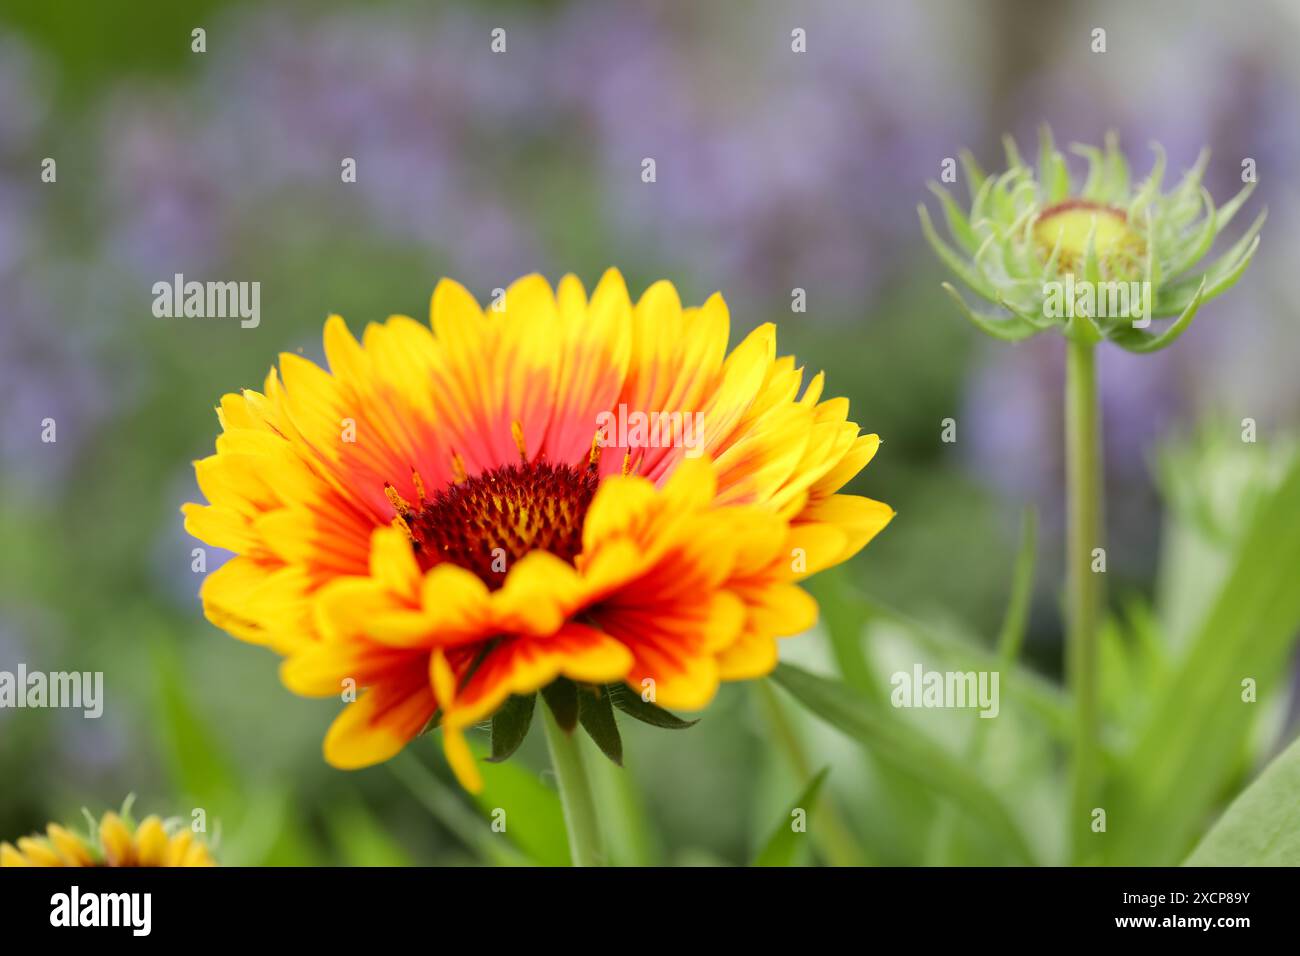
(448, 516)
(114, 841)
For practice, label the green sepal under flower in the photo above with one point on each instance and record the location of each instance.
(1034, 249)
(573, 704)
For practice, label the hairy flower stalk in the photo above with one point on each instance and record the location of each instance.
(1097, 265)
(1084, 596)
(576, 797)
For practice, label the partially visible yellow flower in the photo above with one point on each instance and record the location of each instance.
(453, 515)
(114, 841)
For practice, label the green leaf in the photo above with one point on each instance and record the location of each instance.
(561, 695)
(597, 718)
(1117, 174)
(843, 615)
(1052, 171)
(360, 837)
(1010, 638)
(1262, 826)
(270, 831)
(838, 844)
(1016, 618)
(1093, 184)
(980, 202)
(1189, 186)
(1154, 275)
(1014, 160)
(1188, 751)
(896, 742)
(1134, 658)
(1230, 208)
(975, 175)
(447, 805)
(1008, 328)
(1043, 698)
(510, 725)
(958, 225)
(1135, 340)
(199, 767)
(1002, 197)
(628, 837)
(963, 269)
(1220, 277)
(781, 847)
(534, 819)
(630, 703)
(1150, 189)
(1196, 248)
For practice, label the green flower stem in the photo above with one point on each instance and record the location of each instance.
(1084, 591)
(575, 794)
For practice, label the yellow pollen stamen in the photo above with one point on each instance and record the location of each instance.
(511, 509)
(593, 459)
(458, 472)
(517, 430)
(400, 524)
(627, 462)
(419, 486)
(400, 504)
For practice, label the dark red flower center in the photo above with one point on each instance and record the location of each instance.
(487, 522)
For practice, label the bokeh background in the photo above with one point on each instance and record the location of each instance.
(775, 171)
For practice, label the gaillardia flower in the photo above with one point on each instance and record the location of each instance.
(1099, 263)
(556, 493)
(113, 840)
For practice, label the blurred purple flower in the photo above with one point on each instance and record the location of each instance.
(774, 169)
(45, 373)
(418, 100)
(167, 194)
(1015, 414)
